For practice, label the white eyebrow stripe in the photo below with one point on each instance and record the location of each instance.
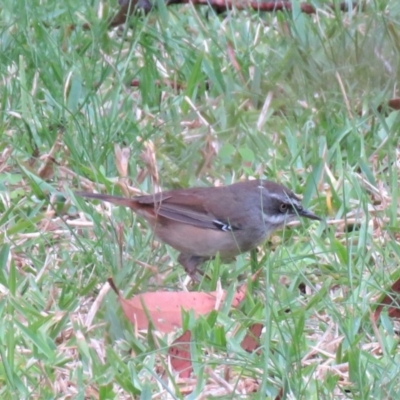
(284, 197)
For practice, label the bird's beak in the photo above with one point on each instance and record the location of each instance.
(309, 214)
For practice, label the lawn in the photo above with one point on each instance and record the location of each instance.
(185, 97)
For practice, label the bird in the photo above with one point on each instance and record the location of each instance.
(201, 222)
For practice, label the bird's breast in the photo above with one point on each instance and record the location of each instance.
(190, 239)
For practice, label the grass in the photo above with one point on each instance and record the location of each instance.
(287, 96)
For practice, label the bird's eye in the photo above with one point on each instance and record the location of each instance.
(283, 207)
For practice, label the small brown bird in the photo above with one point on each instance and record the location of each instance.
(202, 222)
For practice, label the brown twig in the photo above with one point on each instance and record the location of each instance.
(113, 286)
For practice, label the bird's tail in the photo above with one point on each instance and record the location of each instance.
(119, 201)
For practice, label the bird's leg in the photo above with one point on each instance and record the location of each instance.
(191, 263)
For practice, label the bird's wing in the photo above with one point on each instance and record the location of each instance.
(188, 207)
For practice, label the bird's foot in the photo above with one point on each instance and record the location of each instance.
(191, 263)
